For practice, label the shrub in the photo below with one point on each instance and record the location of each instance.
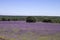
(47, 20)
(30, 19)
(8, 19)
(3, 19)
(14, 19)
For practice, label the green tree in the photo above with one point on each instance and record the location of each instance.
(46, 20)
(8, 19)
(3, 19)
(14, 19)
(30, 19)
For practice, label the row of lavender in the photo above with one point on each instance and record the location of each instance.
(21, 30)
(38, 26)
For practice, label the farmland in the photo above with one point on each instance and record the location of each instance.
(21, 30)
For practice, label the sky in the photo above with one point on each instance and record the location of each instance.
(30, 7)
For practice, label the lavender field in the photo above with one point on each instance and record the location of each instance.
(20, 30)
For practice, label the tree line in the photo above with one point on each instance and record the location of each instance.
(33, 19)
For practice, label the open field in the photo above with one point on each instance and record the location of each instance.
(20, 30)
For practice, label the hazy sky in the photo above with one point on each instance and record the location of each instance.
(30, 7)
